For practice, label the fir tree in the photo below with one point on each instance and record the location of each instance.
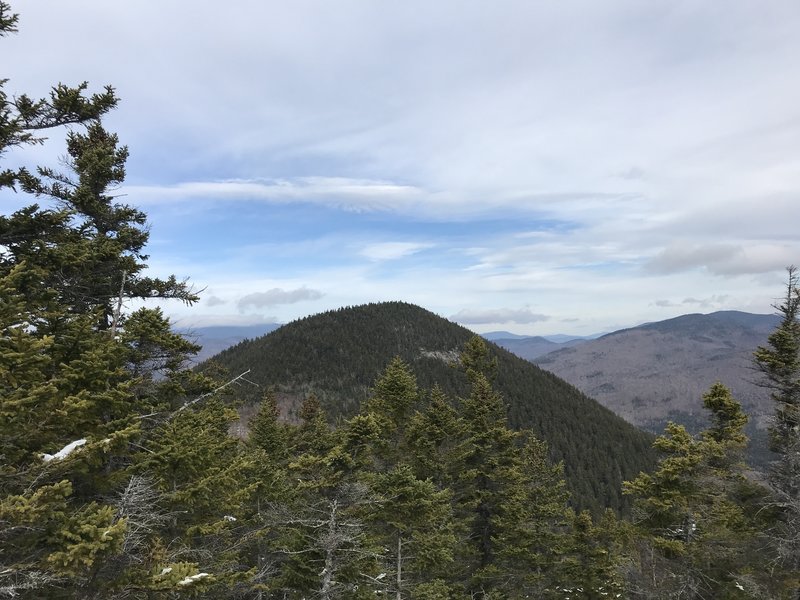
(267, 433)
(509, 499)
(698, 533)
(436, 441)
(80, 381)
(394, 397)
(779, 362)
(412, 521)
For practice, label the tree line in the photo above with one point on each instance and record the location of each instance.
(119, 477)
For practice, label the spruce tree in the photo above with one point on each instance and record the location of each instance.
(510, 501)
(437, 441)
(779, 363)
(267, 433)
(412, 521)
(84, 388)
(394, 398)
(698, 533)
(23, 120)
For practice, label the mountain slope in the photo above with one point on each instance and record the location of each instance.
(338, 355)
(658, 371)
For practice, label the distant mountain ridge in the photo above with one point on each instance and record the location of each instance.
(533, 347)
(337, 355)
(659, 371)
(216, 338)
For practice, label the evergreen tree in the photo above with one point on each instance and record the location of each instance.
(81, 382)
(692, 511)
(534, 522)
(779, 362)
(412, 521)
(509, 499)
(394, 397)
(436, 441)
(23, 119)
(90, 248)
(267, 433)
(313, 434)
(590, 567)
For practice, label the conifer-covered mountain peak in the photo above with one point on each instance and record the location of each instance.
(337, 356)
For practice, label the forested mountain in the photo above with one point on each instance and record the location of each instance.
(337, 356)
(655, 373)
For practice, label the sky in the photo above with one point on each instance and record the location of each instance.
(536, 167)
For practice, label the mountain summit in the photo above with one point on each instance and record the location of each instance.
(337, 356)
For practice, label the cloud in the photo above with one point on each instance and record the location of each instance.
(501, 315)
(278, 296)
(214, 301)
(625, 129)
(665, 304)
(392, 250)
(632, 173)
(722, 258)
(339, 192)
(716, 300)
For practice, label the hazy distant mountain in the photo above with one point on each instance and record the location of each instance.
(337, 355)
(217, 338)
(502, 335)
(658, 372)
(530, 348)
(560, 338)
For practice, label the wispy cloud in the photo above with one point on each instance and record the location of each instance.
(392, 250)
(710, 302)
(666, 304)
(340, 192)
(501, 315)
(277, 296)
(214, 301)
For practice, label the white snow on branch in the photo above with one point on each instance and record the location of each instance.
(230, 518)
(192, 579)
(64, 452)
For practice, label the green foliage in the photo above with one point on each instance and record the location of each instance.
(437, 447)
(598, 449)
(779, 363)
(86, 390)
(412, 520)
(509, 498)
(266, 432)
(590, 565)
(699, 536)
(476, 362)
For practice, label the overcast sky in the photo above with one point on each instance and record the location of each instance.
(539, 167)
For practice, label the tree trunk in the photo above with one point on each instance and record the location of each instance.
(399, 594)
